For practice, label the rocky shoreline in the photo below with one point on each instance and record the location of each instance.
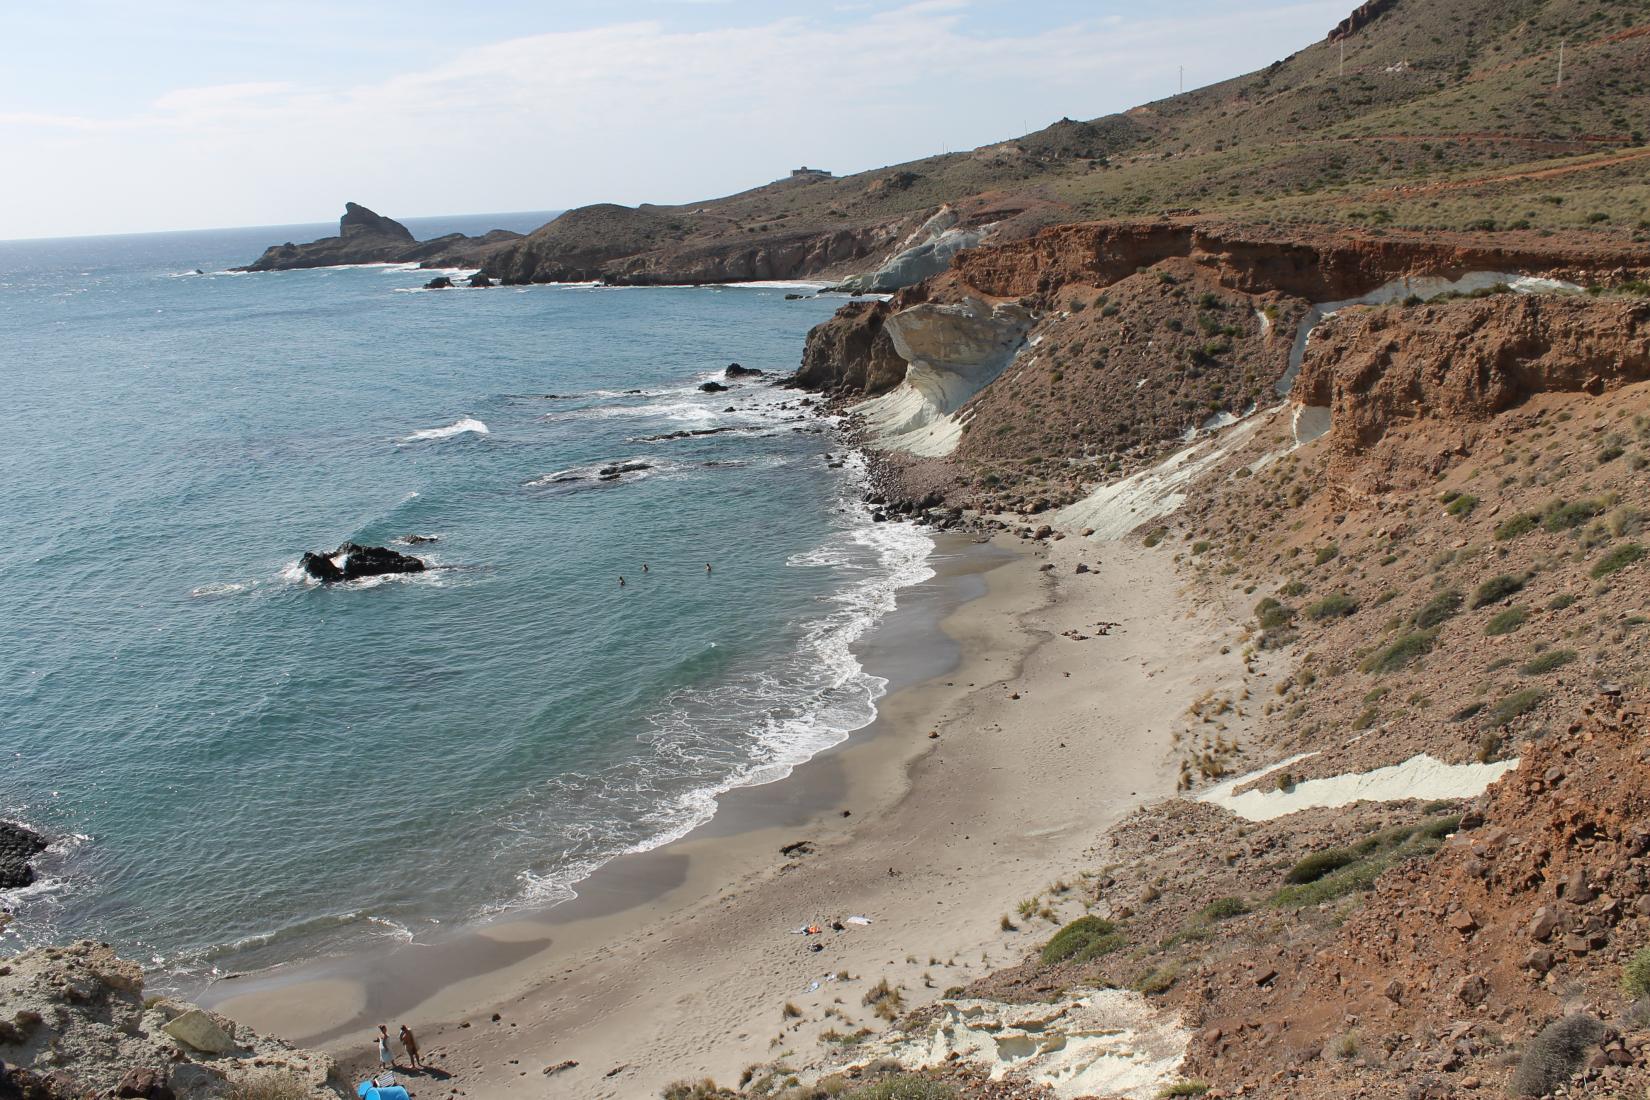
(18, 846)
(365, 237)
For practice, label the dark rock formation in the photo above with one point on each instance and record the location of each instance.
(440, 282)
(851, 352)
(614, 472)
(647, 246)
(736, 371)
(17, 846)
(479, 279)
(712, 387)
(358, 562)
(365, 237)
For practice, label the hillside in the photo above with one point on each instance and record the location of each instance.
(1441, 116)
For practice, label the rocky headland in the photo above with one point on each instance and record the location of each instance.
(365, 237)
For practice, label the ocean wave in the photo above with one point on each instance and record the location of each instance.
(468, 424)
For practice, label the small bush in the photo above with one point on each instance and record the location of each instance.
(1496, 589)
(1618, 559)
(1224, 909)
(1517, 704)
(1184, 1088)
(1553, 1055)
(1561, 601)
(273, 1085)
(1521, 524)
(1326, 554)
(1318, 864)
(1083, 939)
(1437, 609)
(1505, 622)
(1201, 546)
(907, 1086)
(1548, 661)
(1335, 606)
(1403, 651)
(1462, 506)
(1158, 981)
(1635, 976)
(1156, 536)
(1564, 516)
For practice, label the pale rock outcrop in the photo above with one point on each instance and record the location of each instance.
(74, 1022)
(927, 251)
(953, 352)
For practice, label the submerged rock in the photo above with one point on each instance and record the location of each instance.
(18, 845)
(614, 472)
(358, 562)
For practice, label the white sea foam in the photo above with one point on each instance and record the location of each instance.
(466, 425)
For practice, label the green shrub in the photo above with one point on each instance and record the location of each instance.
(1313, 867)
(1496, 589)
(1635, 976)
(1189, 1087)
(1359, 875)
(1083, 939)
(1517, 704)
(1548, 661)
(1326, 554)
(1335, 606)
(1224, 909)
(1462, 505)
(1521, 524)
(1618, 559)
(1561, 601)
(1552, 1056)
(907, 1086)
(1159, 980)
(1437, 609)
(274, 1085)
(1156, 536)
(1406, 649)
(1562, 516)
(1505, 622)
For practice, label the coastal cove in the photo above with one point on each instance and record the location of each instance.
(390, 759)
(683, 958)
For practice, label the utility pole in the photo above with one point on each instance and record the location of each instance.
(1561, 62)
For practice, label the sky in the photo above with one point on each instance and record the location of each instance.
(118, 117)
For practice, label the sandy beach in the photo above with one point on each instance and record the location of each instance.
(680, 963)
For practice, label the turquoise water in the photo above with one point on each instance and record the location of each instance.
(242, 767)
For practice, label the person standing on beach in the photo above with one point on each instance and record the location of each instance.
(386, 1055)
(410, 1042)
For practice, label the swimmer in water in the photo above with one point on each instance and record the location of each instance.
(707, 567)
(621, 582)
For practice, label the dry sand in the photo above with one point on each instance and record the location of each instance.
(679, 963)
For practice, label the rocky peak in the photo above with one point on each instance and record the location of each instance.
(358, 221)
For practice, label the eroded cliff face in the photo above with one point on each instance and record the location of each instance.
(1318, 265)
(1412, 389)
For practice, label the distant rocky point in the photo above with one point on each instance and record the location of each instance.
(366, 237)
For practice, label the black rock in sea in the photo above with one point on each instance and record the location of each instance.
(712, 387)
(358, 562)
(736, 371)
(18, 845)
(440, 282)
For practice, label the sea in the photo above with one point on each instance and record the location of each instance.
(238, 766)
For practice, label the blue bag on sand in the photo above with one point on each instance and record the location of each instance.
(366, 1090)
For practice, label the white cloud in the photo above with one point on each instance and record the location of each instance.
(628, 112)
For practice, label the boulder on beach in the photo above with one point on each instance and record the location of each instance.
(352, 562)
(18, 845)
(712, 387)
